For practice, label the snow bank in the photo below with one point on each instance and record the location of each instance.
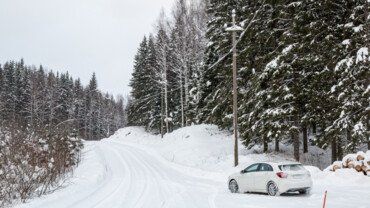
(89, 174)
(203, 147)
(206, 148)
(341, 177)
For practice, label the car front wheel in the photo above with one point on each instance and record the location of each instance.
(272, 189)
(233, 186)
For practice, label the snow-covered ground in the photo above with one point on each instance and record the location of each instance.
(187, 168)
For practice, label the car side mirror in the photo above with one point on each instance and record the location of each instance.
(243, 172)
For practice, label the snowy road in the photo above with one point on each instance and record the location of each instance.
(116, 174)
(132, 178)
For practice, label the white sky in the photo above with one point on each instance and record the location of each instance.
(79, 36)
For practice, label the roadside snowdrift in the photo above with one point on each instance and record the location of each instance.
(203, 147)
(207, 148)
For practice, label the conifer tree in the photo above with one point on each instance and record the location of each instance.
(138, 111)
(215, 100)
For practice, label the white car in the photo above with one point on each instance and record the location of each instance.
(272, 178)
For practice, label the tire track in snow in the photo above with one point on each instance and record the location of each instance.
(140, 179)
(105, 181)
(124, 184)
(160, 177)
(142, 159)
(186, 184)
(211, 197)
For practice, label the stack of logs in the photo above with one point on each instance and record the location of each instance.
(359, 162)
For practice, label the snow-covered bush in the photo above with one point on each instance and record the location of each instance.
(33, 162)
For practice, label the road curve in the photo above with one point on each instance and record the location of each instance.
(130, 178)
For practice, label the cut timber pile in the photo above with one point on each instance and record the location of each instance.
(359, 162)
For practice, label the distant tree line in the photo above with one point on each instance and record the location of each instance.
(35, 98)
(303, 72)
(43, 117)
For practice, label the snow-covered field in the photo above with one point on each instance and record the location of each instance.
(187, 168)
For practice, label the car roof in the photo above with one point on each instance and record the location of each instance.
(282, 163)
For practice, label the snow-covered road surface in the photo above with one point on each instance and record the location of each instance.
(130, 177)
(119, 174)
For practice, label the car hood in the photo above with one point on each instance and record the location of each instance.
(235, 175)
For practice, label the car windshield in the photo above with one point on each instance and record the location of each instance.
(252, 168)
(292, 167)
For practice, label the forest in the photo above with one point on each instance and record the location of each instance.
(303, 73)
(44, 116)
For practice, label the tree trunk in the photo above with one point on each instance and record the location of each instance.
(314, 131)
(295, 138)
(162, 117)
(349, 139)
(182, 103)
(166, 98)
(277, 147)
(305, 138)
(265, 144)
(334, 155)
(186, 86)
(339, 149)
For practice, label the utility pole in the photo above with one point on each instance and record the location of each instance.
(234, 29)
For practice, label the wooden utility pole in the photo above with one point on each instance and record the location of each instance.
(235, 97)
(235, 29)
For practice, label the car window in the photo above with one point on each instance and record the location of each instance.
(252, 168)
(265, 167)
(293, 167)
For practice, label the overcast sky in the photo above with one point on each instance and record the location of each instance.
(79, 36)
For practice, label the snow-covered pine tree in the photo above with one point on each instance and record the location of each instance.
(161, 75)
(294, 71)
(215, 104)
(120, 117)
(188, 44)
(25, 96)
(64, 99)
(265, 23)
(180, 46)
(78, 106)
(38, 92)
(138, 110)
(198, 44)
(94, 108)
(22, 93)
(351, 89)
(8, 92)
(51, 100)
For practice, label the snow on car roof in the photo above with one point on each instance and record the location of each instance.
(283, 163)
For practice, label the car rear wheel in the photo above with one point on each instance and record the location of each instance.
(233, 186)
(272, 189)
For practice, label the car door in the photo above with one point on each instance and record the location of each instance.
(247, 177)
(262, 177)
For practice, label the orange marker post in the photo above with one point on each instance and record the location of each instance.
(324, 205)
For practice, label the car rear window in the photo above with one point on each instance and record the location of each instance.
(292, 167)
